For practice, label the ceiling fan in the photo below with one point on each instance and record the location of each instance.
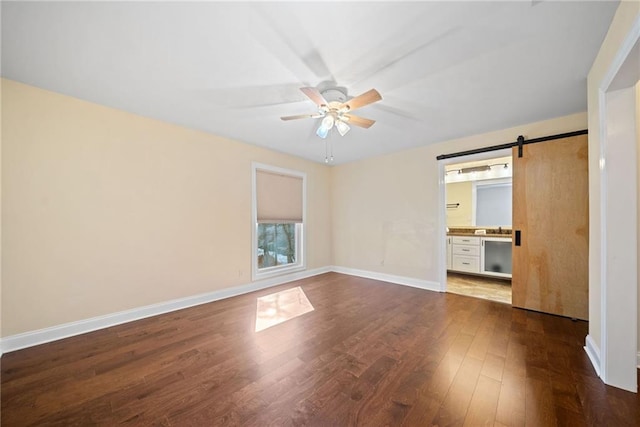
(335, 109)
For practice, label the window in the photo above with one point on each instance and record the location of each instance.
(278, 219)
(277, 245)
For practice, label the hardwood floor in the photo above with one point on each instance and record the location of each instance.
(369, 354)
(479, 287)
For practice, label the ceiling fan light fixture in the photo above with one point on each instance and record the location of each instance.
(333, 106)
(342, 127)
(322, 131)
(328, 121)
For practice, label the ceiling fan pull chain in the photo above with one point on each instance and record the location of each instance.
(331, 148)
(326, 159)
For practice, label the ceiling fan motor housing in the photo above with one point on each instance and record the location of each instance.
(334, 95)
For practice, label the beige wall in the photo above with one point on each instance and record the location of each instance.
(460, 192)
(638, 183)
(105, 211)
(386, 210)
(626, 14)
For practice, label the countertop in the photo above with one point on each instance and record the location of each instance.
(505, 235)
(470, 231)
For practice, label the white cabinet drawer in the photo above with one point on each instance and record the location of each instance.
(466, 240)
(466, 250)
(466, 263)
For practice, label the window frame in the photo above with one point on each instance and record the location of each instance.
(300, 264)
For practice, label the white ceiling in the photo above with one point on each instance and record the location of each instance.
(444, 69)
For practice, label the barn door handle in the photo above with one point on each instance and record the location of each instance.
(517, 237)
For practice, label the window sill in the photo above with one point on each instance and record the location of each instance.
(277, 271)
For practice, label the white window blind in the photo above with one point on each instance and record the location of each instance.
(278, 197)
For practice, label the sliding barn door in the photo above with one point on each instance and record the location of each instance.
(550, 213)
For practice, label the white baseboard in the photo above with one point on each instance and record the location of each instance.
(41, 336)
(594, 353)
(400, 280)
(66, 330)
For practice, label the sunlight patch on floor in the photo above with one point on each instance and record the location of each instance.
(276, 308)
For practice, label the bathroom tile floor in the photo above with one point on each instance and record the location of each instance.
(479, 287)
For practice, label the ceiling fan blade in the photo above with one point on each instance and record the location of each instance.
(366, 98)
(358, 121)
(301, 116)
(314, 95)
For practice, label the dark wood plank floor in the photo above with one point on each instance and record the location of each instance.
(370, 354)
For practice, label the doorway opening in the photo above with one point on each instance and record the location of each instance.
(478, 225)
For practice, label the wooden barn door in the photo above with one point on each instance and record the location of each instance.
(551, 217)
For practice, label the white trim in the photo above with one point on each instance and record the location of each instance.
(399, 280)
(638, 359)
(618, 61)
(625, 49)
(593, 352)
(41, 336)
(442, 227)
(601, 368)
(301, 247)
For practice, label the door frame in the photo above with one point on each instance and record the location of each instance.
(615, 339)
(442, 223)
